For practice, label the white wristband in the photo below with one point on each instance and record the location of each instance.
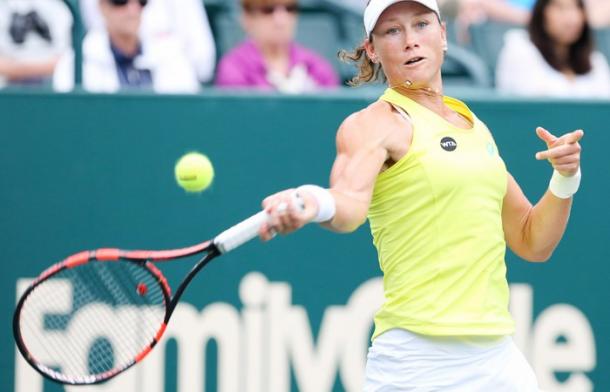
(564, 187)
(325, 200)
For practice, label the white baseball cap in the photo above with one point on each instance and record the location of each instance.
(375, 8)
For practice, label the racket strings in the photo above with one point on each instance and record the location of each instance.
(94, 318)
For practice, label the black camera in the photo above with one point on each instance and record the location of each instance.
(21, 25)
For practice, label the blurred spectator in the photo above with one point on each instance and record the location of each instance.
(117, 58)
(557, 58)
(34, 34)
(270, 59)
(599, 13)
(186, 20)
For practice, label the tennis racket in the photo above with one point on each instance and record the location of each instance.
(97, 313)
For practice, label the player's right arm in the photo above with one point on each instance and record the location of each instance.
(365, 143)
(361, 154)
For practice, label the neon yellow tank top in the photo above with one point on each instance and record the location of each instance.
(436, 220)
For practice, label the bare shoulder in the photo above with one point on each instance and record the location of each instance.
(378, 126)
(369, 116)
(373, 123)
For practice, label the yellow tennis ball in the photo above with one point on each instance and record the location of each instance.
(194, 172)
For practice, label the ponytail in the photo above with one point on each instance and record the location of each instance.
(368, 71)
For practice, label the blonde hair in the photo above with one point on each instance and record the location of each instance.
(368, 71)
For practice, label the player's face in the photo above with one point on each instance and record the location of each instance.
(122, 18)
(272, 24)
(409, 42)
(564, 21)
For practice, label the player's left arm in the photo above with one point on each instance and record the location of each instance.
(533, 231)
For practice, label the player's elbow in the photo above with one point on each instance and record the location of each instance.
(531, 248)
(539, 258)
(538, 255)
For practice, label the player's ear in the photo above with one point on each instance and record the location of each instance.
(370, 50)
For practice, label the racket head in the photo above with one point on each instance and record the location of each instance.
(85, 320)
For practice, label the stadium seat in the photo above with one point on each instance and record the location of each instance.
(227, 32)
(320, 32)
(602, 40)
(352, 37)
(464, 68)
(488, 39)
(217, 10)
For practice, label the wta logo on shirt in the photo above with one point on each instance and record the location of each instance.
(448, 144)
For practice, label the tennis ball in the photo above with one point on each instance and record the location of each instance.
(194, 172)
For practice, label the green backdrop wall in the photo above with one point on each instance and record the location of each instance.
(85, 171)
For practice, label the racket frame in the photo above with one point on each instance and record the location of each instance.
(146, 260)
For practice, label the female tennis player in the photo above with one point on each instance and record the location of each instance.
(442, 208)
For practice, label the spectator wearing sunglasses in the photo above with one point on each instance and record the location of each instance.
(117, 58)
(185, 20)
(270, 59)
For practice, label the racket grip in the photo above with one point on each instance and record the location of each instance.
(241, 233)
(248, 229)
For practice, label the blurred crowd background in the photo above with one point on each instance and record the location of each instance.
(544, 48)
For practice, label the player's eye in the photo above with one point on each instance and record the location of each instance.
(392, 31)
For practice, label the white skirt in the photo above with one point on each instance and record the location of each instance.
(400, 360)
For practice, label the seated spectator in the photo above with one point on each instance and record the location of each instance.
(556, 58)
(117, 58)
(185, 20)
(33, 36)
(270, 59)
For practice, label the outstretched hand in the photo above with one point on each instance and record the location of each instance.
(562, 152)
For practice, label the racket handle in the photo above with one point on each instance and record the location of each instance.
(248, 229)
(241, 233)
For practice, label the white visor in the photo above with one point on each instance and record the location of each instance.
(376, 7)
